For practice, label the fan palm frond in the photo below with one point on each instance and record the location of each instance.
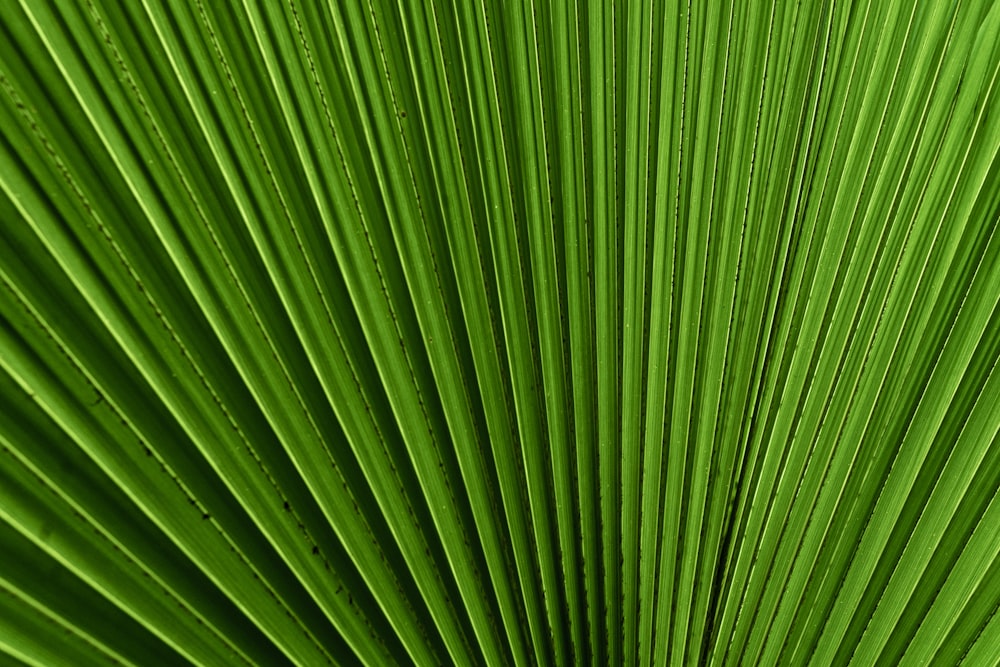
(499, 332)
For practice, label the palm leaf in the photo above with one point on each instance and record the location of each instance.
(499, 332)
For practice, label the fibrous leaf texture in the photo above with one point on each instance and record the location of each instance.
(500, 332)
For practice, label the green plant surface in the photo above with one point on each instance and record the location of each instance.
(501, 332)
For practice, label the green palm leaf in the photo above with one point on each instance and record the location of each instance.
(499, 332)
